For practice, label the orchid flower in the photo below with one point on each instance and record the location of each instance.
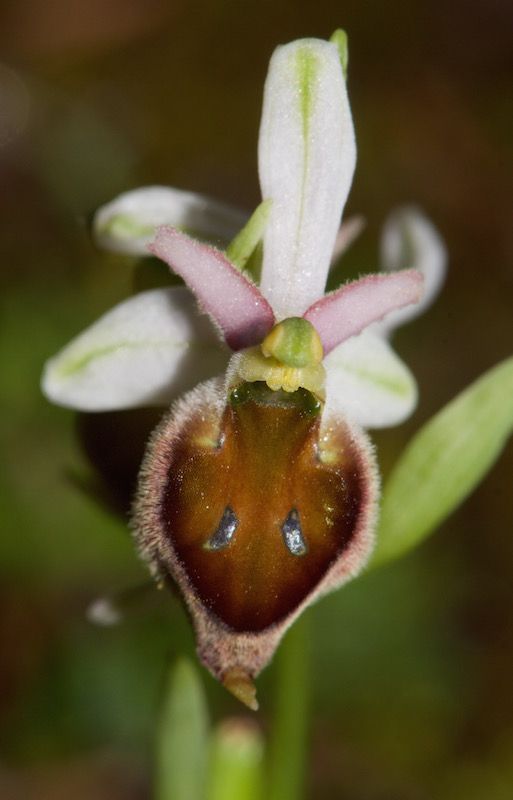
(259, 490)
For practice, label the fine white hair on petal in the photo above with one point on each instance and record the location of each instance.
(355, 556)
(144, 351)
(410, 240)
(355, 306)
(368, 382)
(234, 303)
(307, 155)
(128, 223)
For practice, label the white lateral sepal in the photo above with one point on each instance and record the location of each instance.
(369, 383)
(409, 239)
(128, 223)
(145, 351)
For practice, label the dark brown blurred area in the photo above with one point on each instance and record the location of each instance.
(412, 693)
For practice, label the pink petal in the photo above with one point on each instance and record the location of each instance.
(353, 307)
(232, 301)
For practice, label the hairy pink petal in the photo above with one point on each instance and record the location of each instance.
(353, 307)
(223, 292)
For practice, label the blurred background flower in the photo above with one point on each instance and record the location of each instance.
(411, 665)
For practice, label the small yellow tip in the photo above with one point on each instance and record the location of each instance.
(238, 682)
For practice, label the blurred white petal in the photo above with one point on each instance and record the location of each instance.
(348, 232)
(307, 155)
(145, 351)
(128, 223)
(369, 383)
(409, 240)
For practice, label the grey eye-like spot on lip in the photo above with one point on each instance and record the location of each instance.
(224, 532)
(293, 535)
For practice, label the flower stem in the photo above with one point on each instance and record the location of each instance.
(182, 741)
(288, 746)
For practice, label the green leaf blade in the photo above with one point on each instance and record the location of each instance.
(445, 461)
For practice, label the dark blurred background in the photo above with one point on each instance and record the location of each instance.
(412, 666)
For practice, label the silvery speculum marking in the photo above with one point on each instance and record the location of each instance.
(224, 532)
(293, 535)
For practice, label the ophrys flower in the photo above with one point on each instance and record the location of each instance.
(259, 489)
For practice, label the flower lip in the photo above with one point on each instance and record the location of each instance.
(305, 468)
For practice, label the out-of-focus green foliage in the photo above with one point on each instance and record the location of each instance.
(182, 747)
(196, 762)
(288, 749)
(446, 459)
(236, 762)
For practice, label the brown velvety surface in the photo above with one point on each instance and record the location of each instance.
(267, 465)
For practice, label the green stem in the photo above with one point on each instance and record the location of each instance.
(289, 740)
(182, 741)
(236, 761)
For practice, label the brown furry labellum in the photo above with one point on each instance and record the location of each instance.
(255, 505)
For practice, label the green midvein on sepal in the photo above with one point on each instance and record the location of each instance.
(307, 65)
(124, 226)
